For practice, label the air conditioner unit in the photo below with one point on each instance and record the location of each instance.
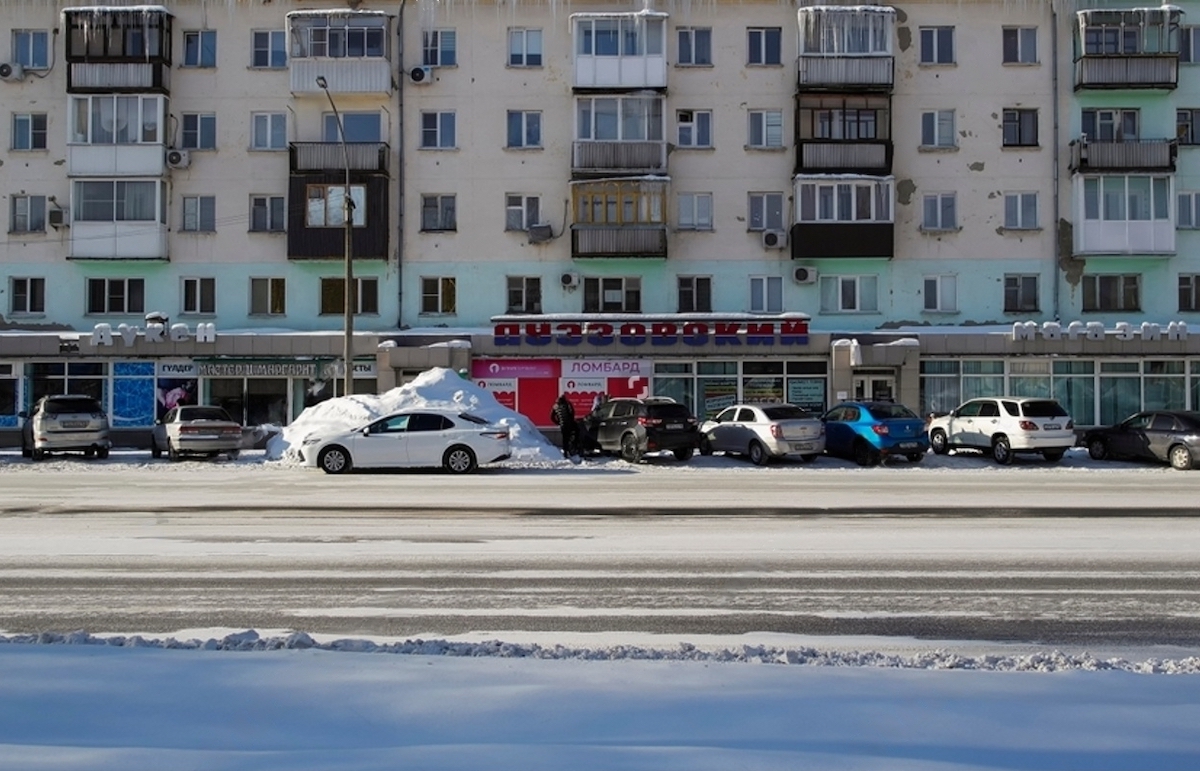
(774, 239)
(421, 76)
(805, 275)
(57, 218)
(570, 280)
(12, 72)
(540, 233)
(179, 159)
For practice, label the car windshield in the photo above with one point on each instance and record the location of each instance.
(785, 412)
(203, 413)
(61, 406)
(1043, 409)
(888, 411)
(667, 411)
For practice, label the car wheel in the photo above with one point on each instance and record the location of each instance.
(915, 457)
(89, 452)
(155, 452)
(705, 446)
(233, 454)
(630, 451)
(1098, 449)
(334, 460)
(1053, 456)
(1002, 450)
(865, 455)
(459, 460)
(684, 453)
(1181, 457)
(26, 452)
(172, 454)
(808, 458)
(758, 454)
(938, 441)
(37, 454)
(102, 453)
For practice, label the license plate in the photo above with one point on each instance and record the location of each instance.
(909, 445)
(74, 424)
(1051, 427)
(801, 446)
(674, 426)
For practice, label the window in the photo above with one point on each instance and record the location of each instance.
(765, 45)
(267, 214)
(327, 206)
(941, 293)
(937, 45)
(843, 118)
(200, 295)
(355, 36)
(438, 212)
(849, 294)
(116, 295)
(1020, 45)
(524, 47)
(200, 213)
(1112, 292)
(524, 294)
(1189, 211)
(848, 33)
(439, 294)
(28, 214)
(695, 294)
(200, 131)
(695, 128)
(28, 295)
(1189, 45)
(117, 201)
(268, 297)
(766, 211)
(270, 49)
(1189, 292)
(695, 211)
(849, 201)
(120, 120)
(695, 46)
(31, 48)
(29, 131)
(1187, 126)
(520, 211)
(619, 203)
(200, 48)
(766, 294)
(627, 35)
(440, 48)
(524, 128)
(1020, 128)
(437, 130)
(1111, 125)
(359, 127)
(270, 131)
(1112, 39)
(939, 212)
(1021, 211)
(1020, 293)
(621, 119)
(612, 295)
(766, 129)
(937, 129)
(333, 296)
(1119, 198)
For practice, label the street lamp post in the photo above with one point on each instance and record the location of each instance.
(347, 251)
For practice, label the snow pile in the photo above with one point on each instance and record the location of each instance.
(438, 388)
(249, 640)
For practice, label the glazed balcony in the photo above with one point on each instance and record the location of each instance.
(619, 51)
(619, 157)
(1133, 71)
(1159, 155)
(589, 241)
(844, 157)
(834, 72)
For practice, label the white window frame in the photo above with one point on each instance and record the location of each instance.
(27, 52)
(199, 61)
(838, 201)
(937, 129)
(438, 130)
(765, 212)
(614, 294)
(523, 294)
(1188, 210)
(439, 295)
(635, 118)
(692, 126)
(626, 34)
(940, 293)
(124, 193)
(766, 294)
(529, 123)
(199, 296)
(31, 292)
(272, 288)
(83, 119)
(765, 129)
(1100, 200)
(695, 211)
(26, 132)
(689, 287)
(268, 131)
(446, 205)
(199, 214)
(270, 205)
(521, 211)
(933, 42)
(525, 47)
(193, 137)
(27, 214)
(276, 42)
(1021, 211)
(1026, 45)
(314, 37)
(439, 48)
(332, 211)
(128, 305)
(864, 291)
(687, 38)
(1017, 284)
(944, 210)
(366, 296)
(758, 44)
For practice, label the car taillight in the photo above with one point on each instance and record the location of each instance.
(776, 431)
(880, 429)
(1028, 425)
(190, 429)
(495, 434)
(649, 421)
(1070, 424)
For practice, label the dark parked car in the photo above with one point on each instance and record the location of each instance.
(634, 427)
(868, 432)
(1167, 436)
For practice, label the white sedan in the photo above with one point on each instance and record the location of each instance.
(764, 431)
(455, 441)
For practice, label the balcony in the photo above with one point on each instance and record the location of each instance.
(817, 240)
(118, 241)
(115, 50)
(647, 241)
(1138, 71)
(845, 73)
(140, 160)
(619, 157)
(844, 157)
(118, 77)
(328, 156)
(1125, 238)
(343, 76)
(1159, 155)
(619, 51)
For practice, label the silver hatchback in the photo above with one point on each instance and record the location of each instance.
(65, 423)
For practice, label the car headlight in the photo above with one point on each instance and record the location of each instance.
(311, 440)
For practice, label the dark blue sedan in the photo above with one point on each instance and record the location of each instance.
(869, 432)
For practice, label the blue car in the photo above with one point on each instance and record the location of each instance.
(868, 432)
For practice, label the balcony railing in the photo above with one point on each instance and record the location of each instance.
(1127, 71)
(1139, 155)
(845, 157)
(873, 73)
(627, 157)
(366, 75)
(108, 77)
(619, 241)
(328, 156)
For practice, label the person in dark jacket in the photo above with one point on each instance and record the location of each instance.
(563, 416)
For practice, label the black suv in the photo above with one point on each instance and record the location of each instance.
(634, 427)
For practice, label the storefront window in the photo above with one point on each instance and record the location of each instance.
(266, 401)
(1029, 378)
(810, 393)
(1195, 389)
(75, 377)
(1120, 390)
(941, 388)
(9, 406)
(133, 394)
(762, 382)
(1165, 386)
(229, 393)
(982, 378)
(716, 386)
(1075, 390)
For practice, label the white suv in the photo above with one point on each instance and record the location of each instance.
(1005, 426)
(66, 422)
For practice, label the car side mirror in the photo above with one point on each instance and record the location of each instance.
(366, 431)
(22, 414)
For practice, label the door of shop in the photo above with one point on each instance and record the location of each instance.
(874, 388)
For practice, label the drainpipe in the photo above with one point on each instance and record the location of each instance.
(1057, 150)
(398, 207)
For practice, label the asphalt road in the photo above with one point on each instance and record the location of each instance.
(1079, 560)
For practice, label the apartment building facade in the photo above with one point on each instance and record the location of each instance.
(713, 201)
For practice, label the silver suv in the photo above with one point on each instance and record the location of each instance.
(65, 423)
